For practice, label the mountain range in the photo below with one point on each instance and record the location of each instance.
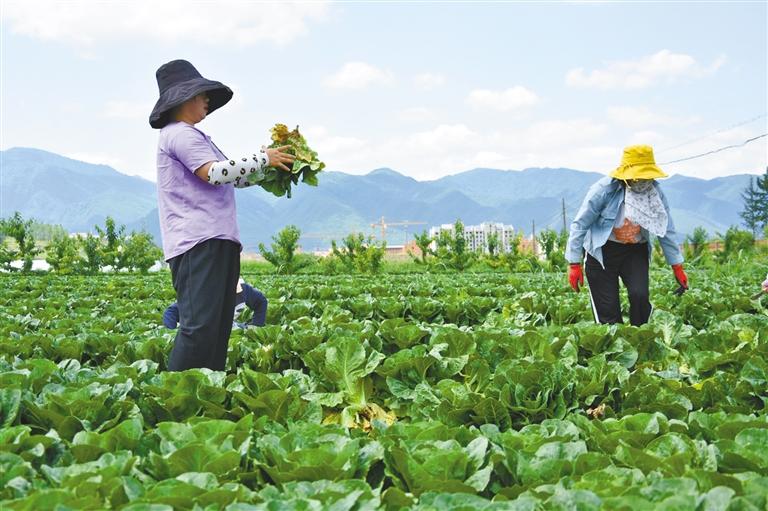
(54, 189)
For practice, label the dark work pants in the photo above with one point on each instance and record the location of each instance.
(205, 278)
(630, 262)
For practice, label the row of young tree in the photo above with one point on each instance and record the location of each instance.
(449, 251)
(353, 254)
(109, 249)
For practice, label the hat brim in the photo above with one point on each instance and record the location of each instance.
(218, 96)
(641, 171)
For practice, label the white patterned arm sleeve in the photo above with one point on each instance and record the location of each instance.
(242, 172)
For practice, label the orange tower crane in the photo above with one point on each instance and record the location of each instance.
(384, 225)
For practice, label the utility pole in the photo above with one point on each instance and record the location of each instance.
(533, 236)
(565, 228)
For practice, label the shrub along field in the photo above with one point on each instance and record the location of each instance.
(433, 392)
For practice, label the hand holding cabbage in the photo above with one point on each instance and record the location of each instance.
(305, 166)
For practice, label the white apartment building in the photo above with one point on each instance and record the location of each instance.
(477, 235)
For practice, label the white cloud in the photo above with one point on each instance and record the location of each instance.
(642, 117)
(561, 135)
(663, 66)
(647, 137)
(128, 109)
(71, 108)
(451, 148)
(238, 101)
(580, 143)
(442, 136)
(216, 23)
(749, 159)
(489, 159)
(331, 146)
(428, 81)
(358, 75)
(510, 99)
(416, 114)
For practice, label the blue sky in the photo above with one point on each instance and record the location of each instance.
(428, 89)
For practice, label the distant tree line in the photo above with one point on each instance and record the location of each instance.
(110, 248)
(755, 212)
(448, 251)
(353, 254)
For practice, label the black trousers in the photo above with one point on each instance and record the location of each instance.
(205, 280)
(630, 262)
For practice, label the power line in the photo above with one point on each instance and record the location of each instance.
(552, 220)
(715, 150)
(722, 130)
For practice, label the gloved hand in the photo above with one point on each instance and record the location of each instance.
(575, 276)
(680, 275)
(765, 284)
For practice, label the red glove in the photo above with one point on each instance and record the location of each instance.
(680, 275)
(575, 276)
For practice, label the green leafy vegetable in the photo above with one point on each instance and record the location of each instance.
(305, 167)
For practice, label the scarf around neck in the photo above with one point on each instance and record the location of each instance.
(643, 206)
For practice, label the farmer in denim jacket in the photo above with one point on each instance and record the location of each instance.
(614, 227)
(245, 296)
(196, 204)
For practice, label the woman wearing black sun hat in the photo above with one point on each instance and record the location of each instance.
(196, 206)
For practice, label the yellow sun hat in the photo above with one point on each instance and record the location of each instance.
(637, 162)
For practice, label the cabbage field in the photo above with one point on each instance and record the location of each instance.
(431, 392)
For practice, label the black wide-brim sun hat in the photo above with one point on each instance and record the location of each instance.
(179, 81)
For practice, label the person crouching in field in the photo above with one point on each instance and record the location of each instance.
(196, 206)
(614, 227)
(245, 296)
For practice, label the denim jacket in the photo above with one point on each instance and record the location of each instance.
(595, 220)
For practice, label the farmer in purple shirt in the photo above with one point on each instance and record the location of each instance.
(196, 205)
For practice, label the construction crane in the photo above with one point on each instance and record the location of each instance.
(384, 225)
